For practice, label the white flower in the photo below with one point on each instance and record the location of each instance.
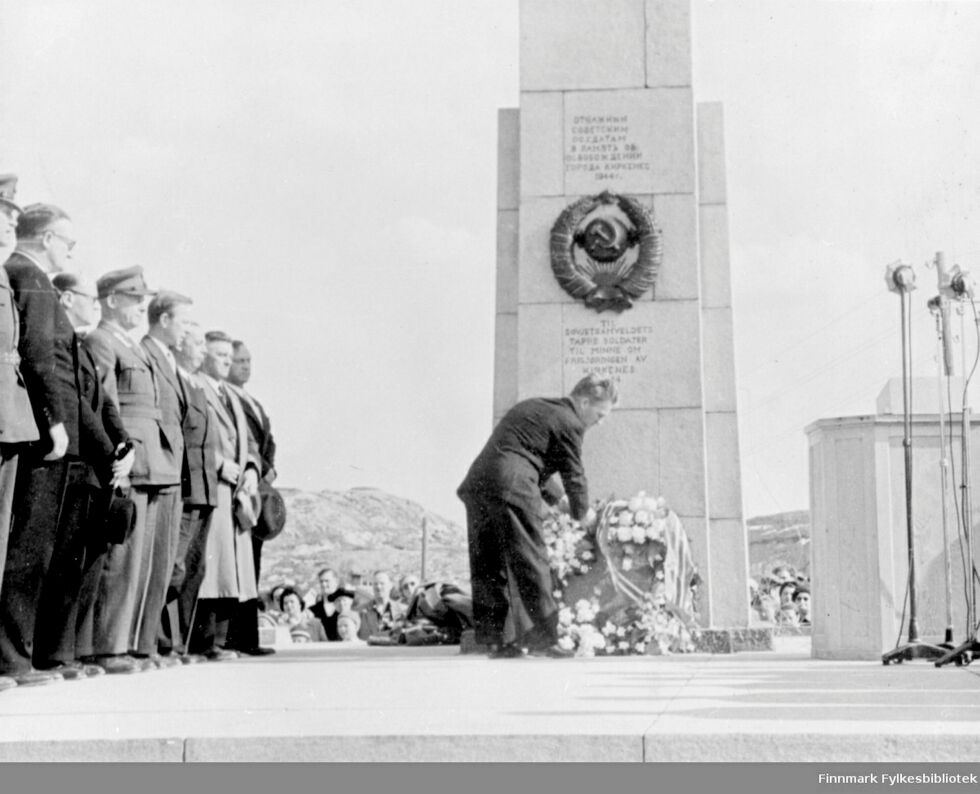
(642, 517)
(588, 555)
(625, 519)
(653, 533)
(637, 501)
(565, 616)
(639, 534)
(566, 643)
(624, 534)
(623, 645)
(627, 563)
(641, 647)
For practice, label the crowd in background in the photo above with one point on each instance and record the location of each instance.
(782, 598)
(381, 612)
(135, 471)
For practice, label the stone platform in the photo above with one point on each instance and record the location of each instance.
(333, 702)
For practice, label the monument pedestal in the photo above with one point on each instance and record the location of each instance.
(607, 106)
(859, 566)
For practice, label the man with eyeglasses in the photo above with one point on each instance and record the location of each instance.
(63, 634)
(17, 425)
(48, 350)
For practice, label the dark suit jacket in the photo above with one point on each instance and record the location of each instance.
(48, 349)
(534, 440)
(170, 397)
(259, 428)
(127, 376)
(98, 448)
(199, 479)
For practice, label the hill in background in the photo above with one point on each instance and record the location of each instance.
(367, 529)
(364, 529)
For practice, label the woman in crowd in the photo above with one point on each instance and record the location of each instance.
(303, 627)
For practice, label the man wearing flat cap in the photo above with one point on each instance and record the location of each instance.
(129, 380)
(48, 349)
(17, 425)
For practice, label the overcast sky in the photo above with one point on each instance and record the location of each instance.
(321, 178)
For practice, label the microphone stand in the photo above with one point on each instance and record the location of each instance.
(968, 650)
(939, 306)
(902, 281)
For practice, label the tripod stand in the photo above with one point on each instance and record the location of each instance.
(902, 280)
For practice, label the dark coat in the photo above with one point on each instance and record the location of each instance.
(536, 439)
(16, 416)
(259, 428)
(49, 349)
(199, 479)
(170, 398)
(98, 449)
(128, 379)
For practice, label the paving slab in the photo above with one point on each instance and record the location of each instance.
(334, 702)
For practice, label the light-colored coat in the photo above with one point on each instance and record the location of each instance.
(229, 564)
(16, 416)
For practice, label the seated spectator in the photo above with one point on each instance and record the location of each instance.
(324, 609)
(408, 586)
(363, 594)
(801, 598)
(787, 614)
(348, 626)
(303, 626)
(382, 614)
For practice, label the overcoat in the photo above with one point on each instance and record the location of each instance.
(230, 566)
(16, 417)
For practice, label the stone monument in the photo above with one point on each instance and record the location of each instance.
(613, 258)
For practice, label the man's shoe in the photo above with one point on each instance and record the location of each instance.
(553, 652)
(114, 665)
(164, 662)
(6, 682)
(219, 655)
(69, 671)
(192, 658)
(507, 652)
(36, 678)
(258, 650)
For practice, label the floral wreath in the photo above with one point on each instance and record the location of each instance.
(639, 535)
(603, 275)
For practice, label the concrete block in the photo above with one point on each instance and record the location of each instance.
(668, 42)
(716, 277)
(629, 141)
(576, 44)
(536, 281)
(682, 464)
(711, 153)
(724, 474)
(652, 350)
(622, 455)
(718, 350)
(539, 362)
(727, 573)
(542, 157)
(508, 244)
(677, 216)
(505, 363)
(508, 158)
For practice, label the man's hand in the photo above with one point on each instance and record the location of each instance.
(122, 467)
(59, 442)
(588, 523)
(563, 505)
(251, 481)
(230, 471)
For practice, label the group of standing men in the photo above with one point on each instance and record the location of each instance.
(131, 472)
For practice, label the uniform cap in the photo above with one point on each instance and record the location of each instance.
(128, 281)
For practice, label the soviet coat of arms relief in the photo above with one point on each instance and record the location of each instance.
(606, 251)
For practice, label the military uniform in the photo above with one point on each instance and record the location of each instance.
(513, 601)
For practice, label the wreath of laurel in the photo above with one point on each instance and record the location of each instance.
(621, 282)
